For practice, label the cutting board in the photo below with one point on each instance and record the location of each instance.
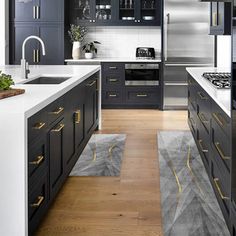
(10, 93)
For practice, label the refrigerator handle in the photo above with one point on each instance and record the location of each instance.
(167, 21)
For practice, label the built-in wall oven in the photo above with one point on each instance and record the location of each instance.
(141, 74)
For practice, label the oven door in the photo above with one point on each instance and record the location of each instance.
(141, 74)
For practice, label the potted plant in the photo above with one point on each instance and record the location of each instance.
(76, 34)
(5, 82)
(90, 49)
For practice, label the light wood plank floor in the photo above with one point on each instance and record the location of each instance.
(128, 205)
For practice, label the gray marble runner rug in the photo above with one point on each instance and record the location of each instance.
(189, 205)
(101, 157)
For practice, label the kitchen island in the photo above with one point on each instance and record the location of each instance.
(70, 110)
(209, 118)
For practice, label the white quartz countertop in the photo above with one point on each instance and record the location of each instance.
(221, 96)
(118, 59)
(38, 96)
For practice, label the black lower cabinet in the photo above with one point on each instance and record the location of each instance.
(57, 136)
(210, 127)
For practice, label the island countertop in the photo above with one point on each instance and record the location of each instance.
(221, 96)
(37, 96)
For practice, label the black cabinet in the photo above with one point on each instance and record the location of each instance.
(56, 137)
(37, 10)
(113, 12)
(41, 18)
(51, 34)
(116, 94)
(210, 127)
(220, 18)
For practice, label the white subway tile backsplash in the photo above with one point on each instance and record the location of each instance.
(123, 41)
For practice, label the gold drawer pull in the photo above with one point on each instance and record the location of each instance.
(113, 68)
(216, 180)
(203, 118)
(222, 155)
(58, 111)
(39, 125)
(192, 121)
(142, 95)
(38, 203)
(37, 161)
(113, 80)
(201, 146)
(202, 96)
(218, 119)
(77, 117)
(190, 82)
(61, 126)
(113, 95)
(214, 19)
(91, 84)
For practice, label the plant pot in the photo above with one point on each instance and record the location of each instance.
(76, 50)
(88, 55)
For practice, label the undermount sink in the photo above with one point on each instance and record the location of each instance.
(48, 80)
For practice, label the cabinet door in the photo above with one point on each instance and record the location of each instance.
(56, 135)
(90, 106)
(18, 35)
(24, 10)
(52, 35)
(51, 10)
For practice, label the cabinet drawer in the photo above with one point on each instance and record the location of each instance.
(38, 202)
(221, 119)
(221, 187)
(192, 98)
(113, 67)
(193, 120)
(203, 143)
(221, 146)
(37, 125)
(112, 80)
(37, 160)
(111, 97)
(203, 108)
(56, 110)
(142, 96)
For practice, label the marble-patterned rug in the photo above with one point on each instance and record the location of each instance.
(189, 205)
(102, 156)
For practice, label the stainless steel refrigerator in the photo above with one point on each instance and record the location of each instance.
(186, 43)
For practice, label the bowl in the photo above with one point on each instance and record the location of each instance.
(108, 6)
(148, 17)
(102, 6)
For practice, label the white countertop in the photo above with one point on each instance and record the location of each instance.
(38, 96)
(221, 96)
(111, 59)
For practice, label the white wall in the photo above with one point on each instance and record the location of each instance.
(122, 41)
(4, 32)
(224, 51)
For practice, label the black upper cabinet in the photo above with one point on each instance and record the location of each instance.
(37, 10)
(113, 12)
(220, 18)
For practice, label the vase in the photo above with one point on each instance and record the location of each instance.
(88, 55)
(76, 50)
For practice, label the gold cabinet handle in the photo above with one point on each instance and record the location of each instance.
(113, 68)
(214, 19)
(113, 95)
(113, 80)
(61, 126)
(38, 203)
(34, 12)
(77, 116)
(202, 96)
(38, 160)
(219, 120)
(203, 118)
(201, 146)
(190, 82)
(91, 84)
(39, 125)
(37, 12)
(142, 95)
(34, 56)
(222, 155)
(216, 180)
(37, 56)
(58, 111)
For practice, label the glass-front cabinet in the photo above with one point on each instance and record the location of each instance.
(115, 12)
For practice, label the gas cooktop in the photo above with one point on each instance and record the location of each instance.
(220, 80)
